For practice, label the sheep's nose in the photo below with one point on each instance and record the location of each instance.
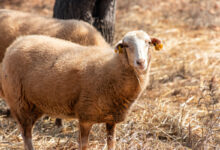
(140, 62)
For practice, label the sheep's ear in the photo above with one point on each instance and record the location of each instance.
(157, 44)
(119, 47)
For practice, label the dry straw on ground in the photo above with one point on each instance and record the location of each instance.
(180, 108)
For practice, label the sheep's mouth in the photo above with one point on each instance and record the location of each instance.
(141, 69)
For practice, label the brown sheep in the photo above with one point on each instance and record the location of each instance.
(14, 24)
(44, 75)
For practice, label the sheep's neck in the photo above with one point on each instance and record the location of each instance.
(129, 82)
(127, 87)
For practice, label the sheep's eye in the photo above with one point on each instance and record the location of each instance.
(148, 42)
(125, 45)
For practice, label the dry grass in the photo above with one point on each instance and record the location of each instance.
(180, 108)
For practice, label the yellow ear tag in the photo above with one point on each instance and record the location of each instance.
(158, 46)
(119, 50)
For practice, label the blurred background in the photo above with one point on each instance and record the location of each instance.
(180, 108)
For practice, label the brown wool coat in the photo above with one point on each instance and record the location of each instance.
(44, 75)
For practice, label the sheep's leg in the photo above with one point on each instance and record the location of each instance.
(58, 122)
(6, 113)
(84, 134)
(27, 137)
(110, 127)
(26, 120)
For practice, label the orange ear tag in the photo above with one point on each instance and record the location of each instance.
(158, 46)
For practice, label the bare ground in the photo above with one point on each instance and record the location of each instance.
(180, 108)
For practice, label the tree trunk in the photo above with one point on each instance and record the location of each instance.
(100, 13)
(104, 15)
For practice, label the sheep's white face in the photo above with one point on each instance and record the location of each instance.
(136, 44)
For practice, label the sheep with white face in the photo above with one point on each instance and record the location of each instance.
(46, 75)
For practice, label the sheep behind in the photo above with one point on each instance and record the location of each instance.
(15, 23)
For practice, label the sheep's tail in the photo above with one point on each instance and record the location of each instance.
(1, 90)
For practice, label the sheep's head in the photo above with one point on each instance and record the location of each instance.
(136, 47)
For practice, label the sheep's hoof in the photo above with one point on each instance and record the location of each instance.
(6, 113)
(58, 122)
